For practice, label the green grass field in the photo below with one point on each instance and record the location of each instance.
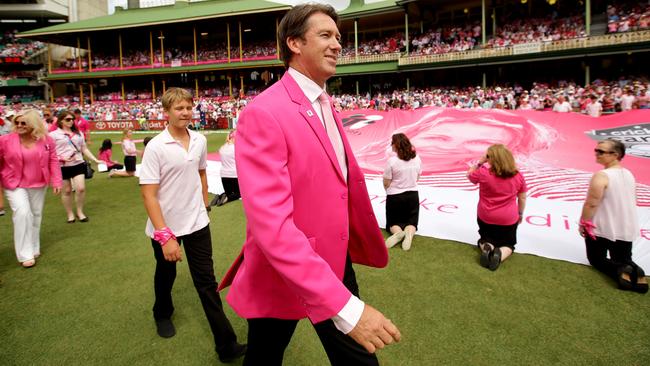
(88, 300)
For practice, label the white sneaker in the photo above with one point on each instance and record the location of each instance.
(408, 239)
(394, 239)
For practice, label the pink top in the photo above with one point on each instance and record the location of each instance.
(106, 157)
(13, 167)
(403, 175)
(32, 176)
(128, 147)
(83, 126)
(68, 147)
(497, 202)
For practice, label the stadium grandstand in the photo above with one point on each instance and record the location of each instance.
(396, 54)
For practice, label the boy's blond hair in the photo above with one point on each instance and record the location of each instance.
(175, 95)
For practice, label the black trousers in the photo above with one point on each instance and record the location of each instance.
(269, 337)
(620, 254)
(231, 188)
(198, 250)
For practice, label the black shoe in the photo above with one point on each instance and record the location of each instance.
(85, 219)
(623, 284)
(165, 328)
(485, 254)
(214, 201)
(238, 351)
(223, 198)
(640, 287)
(495, 259)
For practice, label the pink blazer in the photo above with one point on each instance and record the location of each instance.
(302, 218)
(11, 161)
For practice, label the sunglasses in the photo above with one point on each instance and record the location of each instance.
(603, 152)
(20, 123)
(68, 119)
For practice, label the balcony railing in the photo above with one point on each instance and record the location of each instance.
(537, 47)
(347, 60)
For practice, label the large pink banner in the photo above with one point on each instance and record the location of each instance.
(554, 151)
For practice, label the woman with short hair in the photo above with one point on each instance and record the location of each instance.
(502, 200)
(610, 222)
(28, 164)
(70, 149)
(402, 200)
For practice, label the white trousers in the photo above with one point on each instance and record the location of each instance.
(27, 207)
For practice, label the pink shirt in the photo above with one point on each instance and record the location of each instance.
(497, 204)
(68, 147)
(403, 174)
(128, 147)
(32, 174)
(106, 156)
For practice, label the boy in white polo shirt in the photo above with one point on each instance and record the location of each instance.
(175, 192)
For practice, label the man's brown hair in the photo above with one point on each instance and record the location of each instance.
(294, 24)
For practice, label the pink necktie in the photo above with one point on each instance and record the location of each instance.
(333, 132)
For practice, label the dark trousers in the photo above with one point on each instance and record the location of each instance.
(269, 337)
(198, 250)
(620, 254)
(231, 188)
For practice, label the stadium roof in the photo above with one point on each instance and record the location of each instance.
(189, 11)
(179, 12)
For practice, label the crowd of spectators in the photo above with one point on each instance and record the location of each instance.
(628, 17)
(597, 98)
(10, 46)
(174, 56)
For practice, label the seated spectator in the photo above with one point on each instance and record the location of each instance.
(105, 155)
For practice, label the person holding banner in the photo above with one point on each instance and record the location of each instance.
(71, 148)
(402, 200)
(609, 221)
(502, 200)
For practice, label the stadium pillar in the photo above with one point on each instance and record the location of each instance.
(587, 75)
(230, 86)
(195, 55)
(49, 58)
(51, 94)
(483, 28)
(356, 42)
(119, 41)
(81, 94)
(153, 89)
(92, 93)
(408, 84)
(406, 31)
(588, 17)
(484, 80)
(196, 87)
(123, 94)
(90, 55)
(228, 40)
(164, 86)
(241, 48)
(357, 85)
(78, 54)
(151, 47)
(162, 48)
(241, 84)
(277, 40)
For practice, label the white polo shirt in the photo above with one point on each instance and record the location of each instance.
(176, 171)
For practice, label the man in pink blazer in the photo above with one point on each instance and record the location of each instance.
(307, 209)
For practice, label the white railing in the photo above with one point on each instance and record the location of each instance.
(347, 60)
(567, 44)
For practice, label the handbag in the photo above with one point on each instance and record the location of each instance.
(89, 170)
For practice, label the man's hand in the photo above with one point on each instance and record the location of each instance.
(374, 331)
(172, 251)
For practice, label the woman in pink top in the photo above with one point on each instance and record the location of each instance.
(28, 164)
(106, 155)
(402, 200)
(130, 156)
(71, 149)
(502, 199)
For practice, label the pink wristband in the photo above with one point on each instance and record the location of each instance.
(588, 227)
(163, 235)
